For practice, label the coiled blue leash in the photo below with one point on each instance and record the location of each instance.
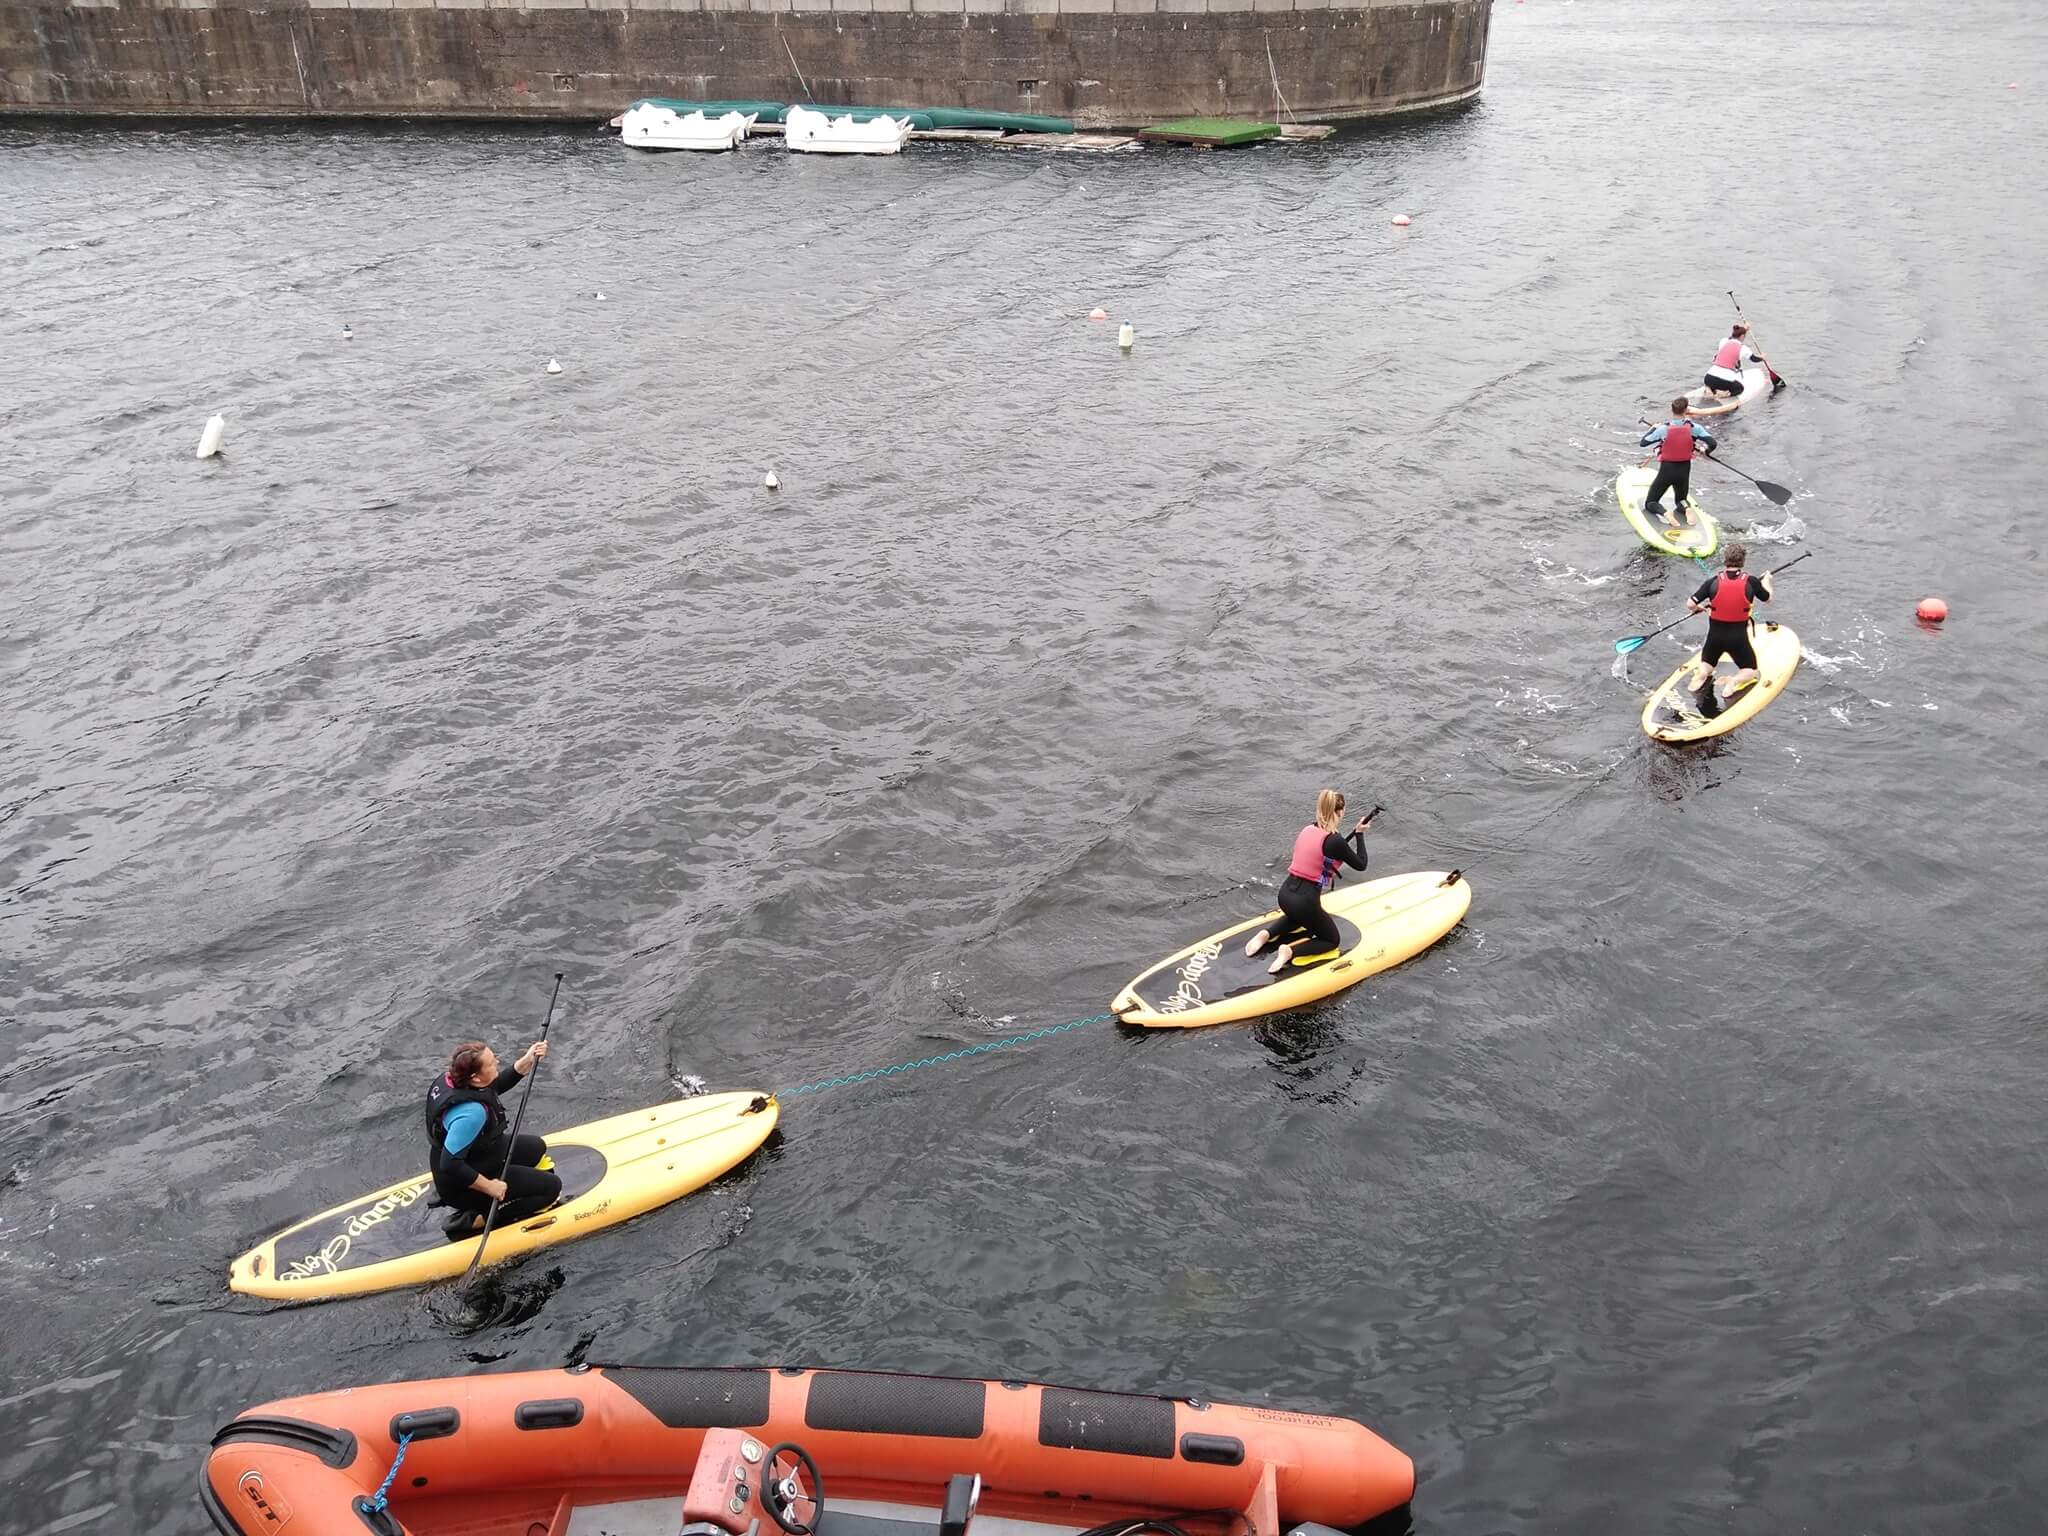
(382, 1497)
(965, 1051)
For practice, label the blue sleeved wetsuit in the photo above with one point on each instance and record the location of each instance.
(461, 1126)
(1701, 437)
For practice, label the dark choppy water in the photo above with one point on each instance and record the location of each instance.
(1694, 1185)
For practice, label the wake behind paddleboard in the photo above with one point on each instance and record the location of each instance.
(1379, 924)
(1675, 713)
(611, 1171)
(1698, 539)
(1756, 380)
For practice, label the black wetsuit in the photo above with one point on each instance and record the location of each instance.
(1301, 901)
(1729, 638)
(528, 1190)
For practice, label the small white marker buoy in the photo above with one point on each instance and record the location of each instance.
(1098, 313)
(209, 439)
(348, 332)
(1402, 221)
(770, 483)
(1125, 336)
(553, 366)
(600, 298)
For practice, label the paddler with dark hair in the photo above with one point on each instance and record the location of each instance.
(468, 1136)
(1727, 601)
(1675, 441)
(1724, 377)
(1320, 850)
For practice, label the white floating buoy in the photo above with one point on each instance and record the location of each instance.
(600, 298)
(1098, 313)
(1125, 336)
(770, 483)
(1401, 221)
(348, 332)
(553, 366)
(209, 439)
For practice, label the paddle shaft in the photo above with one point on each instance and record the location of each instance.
(1653, 634)
(512, 1142)
(1775, 380)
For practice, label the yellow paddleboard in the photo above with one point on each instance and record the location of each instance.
(1380, 923)
(611, 1170)
(1674, 712)
(1698, 540)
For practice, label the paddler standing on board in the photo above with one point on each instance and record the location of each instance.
(1727, 600)
(1733, 355)
(1675, 442)
(1320, 850)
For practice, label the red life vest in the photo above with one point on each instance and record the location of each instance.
(1729, 358)
(1731, 599)
(1308, 861)
(1678, 443)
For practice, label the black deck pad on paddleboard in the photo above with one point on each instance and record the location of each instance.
(1220, 969)
(389, 1226)
(1684, 706)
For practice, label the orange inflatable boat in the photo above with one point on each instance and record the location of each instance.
(652, 1451)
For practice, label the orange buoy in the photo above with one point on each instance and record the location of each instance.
(1401, 221)
(1932, 609)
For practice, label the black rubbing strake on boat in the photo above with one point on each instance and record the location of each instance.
(895, 1405)
(549, 1413)
(336, 1447)
(1105, 1421)
(426, 1423)
(1218, 1450)
(697, 1399)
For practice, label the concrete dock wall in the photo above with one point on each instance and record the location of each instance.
(1104, 63)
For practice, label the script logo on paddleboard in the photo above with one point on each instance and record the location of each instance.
(326, 1260)
(1187, 991)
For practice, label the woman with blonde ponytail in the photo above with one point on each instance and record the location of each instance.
(1319, 852)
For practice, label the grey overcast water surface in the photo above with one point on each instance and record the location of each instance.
(1695, 1184)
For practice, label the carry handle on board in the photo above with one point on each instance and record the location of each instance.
(1637, 642)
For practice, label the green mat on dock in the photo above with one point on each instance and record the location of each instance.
(1211, 132)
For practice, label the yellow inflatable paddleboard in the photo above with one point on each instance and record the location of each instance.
(1380, 923)
(1675, 713)
(611, 1170)
(1699, 540)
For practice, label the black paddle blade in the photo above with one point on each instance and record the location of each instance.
(1774, 493)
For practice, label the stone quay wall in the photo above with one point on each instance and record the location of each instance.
(1103, 63)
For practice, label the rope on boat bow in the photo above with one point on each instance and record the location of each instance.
(382, 1496)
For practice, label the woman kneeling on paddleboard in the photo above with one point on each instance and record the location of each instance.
(1727, 599)
(467, 1133)
(1724, 374)
(1319, 849)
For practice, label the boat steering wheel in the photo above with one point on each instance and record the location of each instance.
(781, 1493)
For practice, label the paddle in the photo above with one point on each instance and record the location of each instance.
(1637, 642)
(1774, 493)
(1776, 382)
(512, 1142)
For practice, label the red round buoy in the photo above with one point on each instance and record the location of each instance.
(1401, 221)
(1098, 313)
(1932, 609)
